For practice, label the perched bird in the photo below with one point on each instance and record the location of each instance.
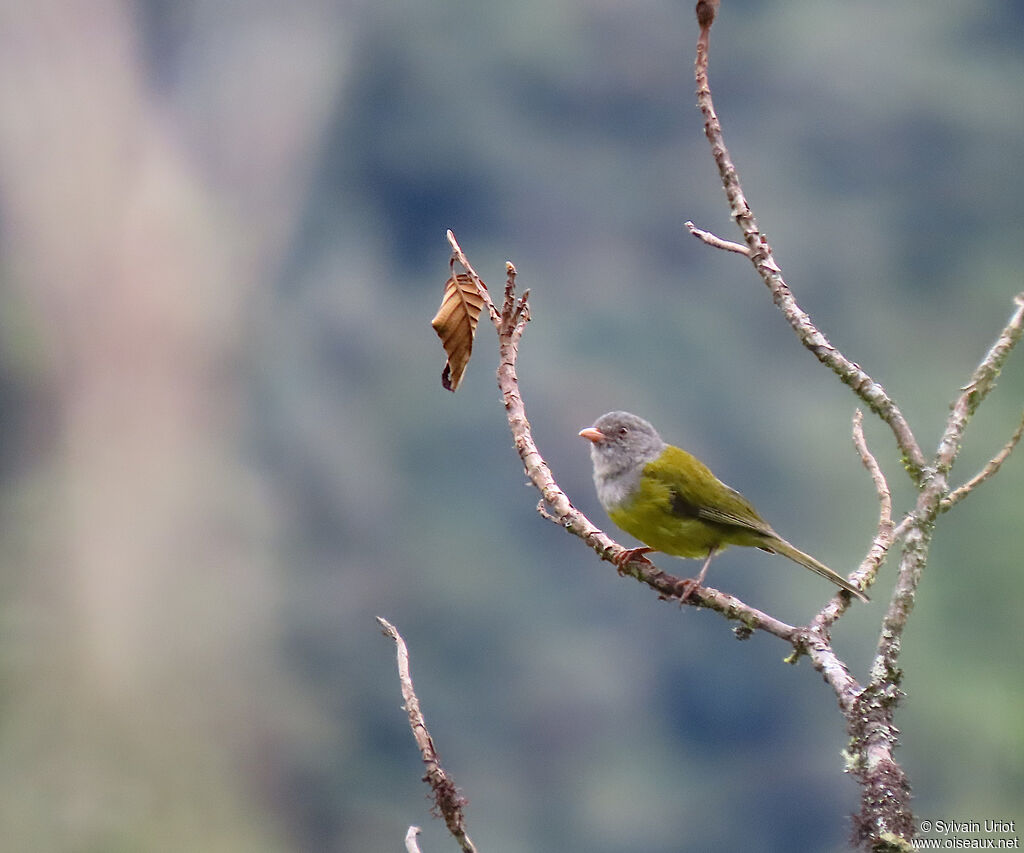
(671, 501)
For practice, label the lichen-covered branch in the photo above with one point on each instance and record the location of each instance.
(935, 492)
(934, 495)
(884, 783)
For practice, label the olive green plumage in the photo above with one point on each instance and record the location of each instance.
(670, 500)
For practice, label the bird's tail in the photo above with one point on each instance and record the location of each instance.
(781, 546)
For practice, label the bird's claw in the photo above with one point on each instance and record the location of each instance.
(630, 555)
(687, 588)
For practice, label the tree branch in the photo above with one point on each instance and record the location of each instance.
(816, 643)
(448, 801)
(717, 242)
(990, 470)
(886, 791)
(763, 259)
(982, 381)
(934, 493)
(865, 574)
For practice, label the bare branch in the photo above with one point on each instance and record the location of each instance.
(916, 530)
(717, 242)
(885, 791)
(864, 576)
(883, 540)
(732, 608)
(762, 257)
(982, 381)
(448, 801)
(815, 643)
(990, 469)
(885, 821)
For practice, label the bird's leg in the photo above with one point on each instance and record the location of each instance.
(630, 554)
(693, 583)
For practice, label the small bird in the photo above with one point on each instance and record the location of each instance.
(670, 500)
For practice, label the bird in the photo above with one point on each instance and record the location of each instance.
(670, 501)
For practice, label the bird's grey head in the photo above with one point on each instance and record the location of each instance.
(620, 445)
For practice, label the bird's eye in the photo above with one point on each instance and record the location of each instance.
(623, 432)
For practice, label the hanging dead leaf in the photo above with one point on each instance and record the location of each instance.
(455, 324)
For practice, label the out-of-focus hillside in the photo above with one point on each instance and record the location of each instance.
(224, 447)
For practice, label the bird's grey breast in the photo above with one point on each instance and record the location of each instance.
(614, 482)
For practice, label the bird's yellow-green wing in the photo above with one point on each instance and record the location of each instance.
(694, 492)
(686, 511)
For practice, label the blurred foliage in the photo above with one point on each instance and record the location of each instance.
(224, 446)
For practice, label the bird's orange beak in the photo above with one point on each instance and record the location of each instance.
(591, 434)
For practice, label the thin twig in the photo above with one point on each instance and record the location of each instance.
(885, 535)
(990, 469)
(763, 259)
(982, 381)
(448, 801)
(900, 530)
(864, 576)
(817, 645)
(717, 242)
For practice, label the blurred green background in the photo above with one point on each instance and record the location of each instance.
(224, 446)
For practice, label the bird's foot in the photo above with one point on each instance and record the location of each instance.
(629, 555)
(687, 587)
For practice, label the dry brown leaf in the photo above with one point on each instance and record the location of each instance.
(455, 324)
